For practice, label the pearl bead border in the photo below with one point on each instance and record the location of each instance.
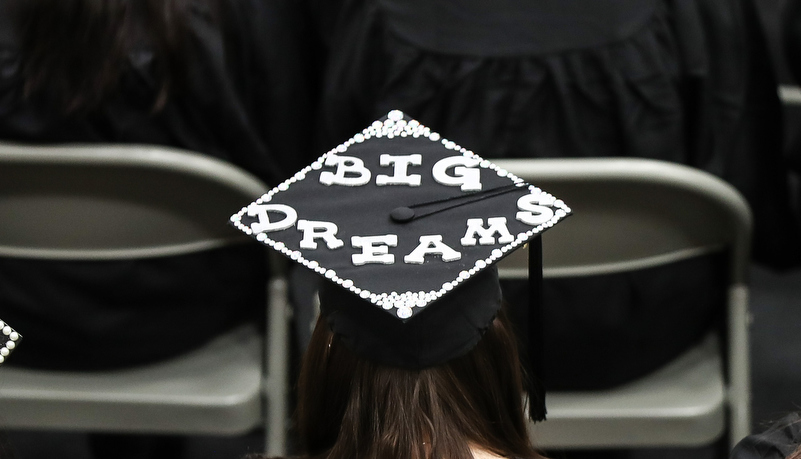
(404, 303)
(11, 338)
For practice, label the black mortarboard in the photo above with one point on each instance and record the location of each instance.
(406, 226)
(9, 339)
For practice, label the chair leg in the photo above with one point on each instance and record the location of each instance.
(276, 380)
(739, 365)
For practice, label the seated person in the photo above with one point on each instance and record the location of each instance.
(413, 355)
(687, 82)
(207, 77)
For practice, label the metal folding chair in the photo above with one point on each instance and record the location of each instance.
(632, 214)
(101, 202)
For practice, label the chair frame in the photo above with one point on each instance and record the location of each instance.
(156, 398)
(646, 412)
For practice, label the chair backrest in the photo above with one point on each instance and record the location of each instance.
(100, 202)
(633, 213)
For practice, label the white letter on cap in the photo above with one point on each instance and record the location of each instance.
(371, 252)
(264, 223)
(465, 176)
(497, 225)
(326, 231)
(529, 204)
(400, 176)
(359, 175)
(431, 245)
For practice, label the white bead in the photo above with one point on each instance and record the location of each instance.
(4, 352)
(404, 312)
(395, 115)
(2, 359)
(6, 330)
(14, 336)
(434, 136)
(11, 344)
(364, 294)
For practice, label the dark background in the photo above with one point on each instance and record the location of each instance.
(775, 339)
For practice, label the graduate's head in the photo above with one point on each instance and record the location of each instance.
(406, 227)
(351, 406)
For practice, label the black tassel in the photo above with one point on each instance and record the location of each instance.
(535, 351)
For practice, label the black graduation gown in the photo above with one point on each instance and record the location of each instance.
(686, 81)
(246, 101)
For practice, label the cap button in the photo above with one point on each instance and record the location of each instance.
(402, 214)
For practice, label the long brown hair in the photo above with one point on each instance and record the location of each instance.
(351, 408)
(795, 454)
(74, 51)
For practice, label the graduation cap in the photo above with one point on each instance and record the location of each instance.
(406, 226)
(9, 339)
